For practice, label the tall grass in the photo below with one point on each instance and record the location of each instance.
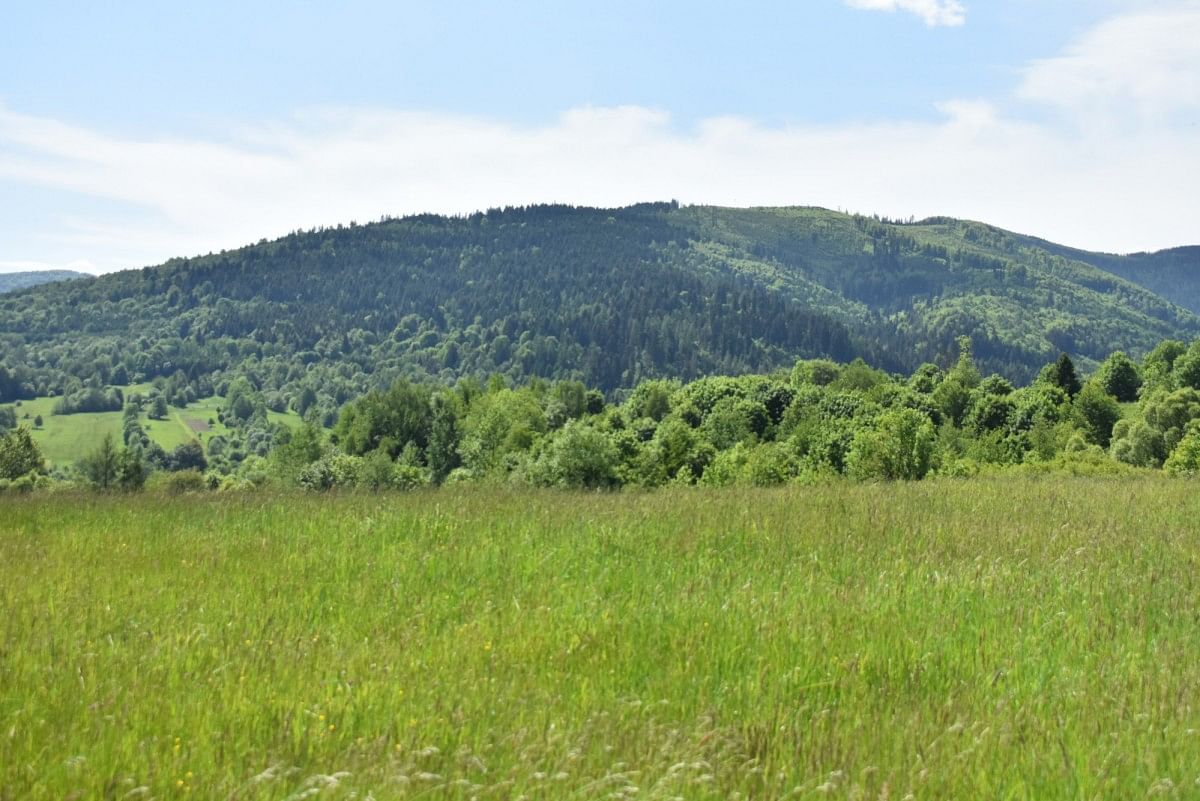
(982, 639)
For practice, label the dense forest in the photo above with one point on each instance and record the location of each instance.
(608, 297)
(817, 421)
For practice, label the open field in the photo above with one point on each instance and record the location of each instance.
(65, 438)
(984, 639)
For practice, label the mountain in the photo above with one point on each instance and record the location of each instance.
(607, 296)
(13, 281)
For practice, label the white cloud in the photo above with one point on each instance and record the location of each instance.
(1105, 186)
(933, 12)
(1142, 67)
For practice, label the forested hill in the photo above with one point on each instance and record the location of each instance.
(610, 297)
(13, 281)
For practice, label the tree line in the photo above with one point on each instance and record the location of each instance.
(819, 420)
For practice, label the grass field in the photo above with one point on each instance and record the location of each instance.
(990, 639)
(64, 439)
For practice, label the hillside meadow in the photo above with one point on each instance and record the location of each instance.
(65, 438)
(992, 638)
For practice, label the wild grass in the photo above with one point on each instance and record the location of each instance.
(1009, 639)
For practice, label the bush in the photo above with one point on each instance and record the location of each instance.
(1096, 412)
(334, 470)
(180, 483)
(1185, 459)
(578, 457)
(899, 447)
(19, 455)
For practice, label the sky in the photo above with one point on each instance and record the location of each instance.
(133, 134)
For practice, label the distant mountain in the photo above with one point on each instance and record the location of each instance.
(607, 296)
(13, 281)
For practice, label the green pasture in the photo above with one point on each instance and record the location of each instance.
(982, 639)
(65, 438)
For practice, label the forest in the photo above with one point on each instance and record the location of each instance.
(607, 297)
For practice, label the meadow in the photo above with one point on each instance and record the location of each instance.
(66, 438)
(990, 638)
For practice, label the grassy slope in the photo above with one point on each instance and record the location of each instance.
(65, 438)
(983, 639)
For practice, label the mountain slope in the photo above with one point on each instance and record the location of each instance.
(13, 281)
(606, 296)
(1174, 273)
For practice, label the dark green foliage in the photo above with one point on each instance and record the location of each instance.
(19, 455)
(387, 420)
(1062, 374)
(578, 456)
(188, 456)
(1119, 377)
(1096, 412)
(90, 399)
(109, 468)
(8, 418)
(158, 408)
(607, 297)
(442, 453)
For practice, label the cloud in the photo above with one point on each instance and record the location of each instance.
(1142, 67)
(934, 12)
(1116, 187)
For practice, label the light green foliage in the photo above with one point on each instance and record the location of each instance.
(1138, 443)
(1171, 413)
(182, 482)
(303, 446)
(1187, 368)
(899, 448)
(334, 470)
(1158, 366)
(947, 639)
(858, 376)
(501, 423)
(734, 420)
(1185, 459)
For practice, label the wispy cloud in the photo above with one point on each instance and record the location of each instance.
(1140, 67)
(932, 12)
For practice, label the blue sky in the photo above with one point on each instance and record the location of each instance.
(133, 134)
